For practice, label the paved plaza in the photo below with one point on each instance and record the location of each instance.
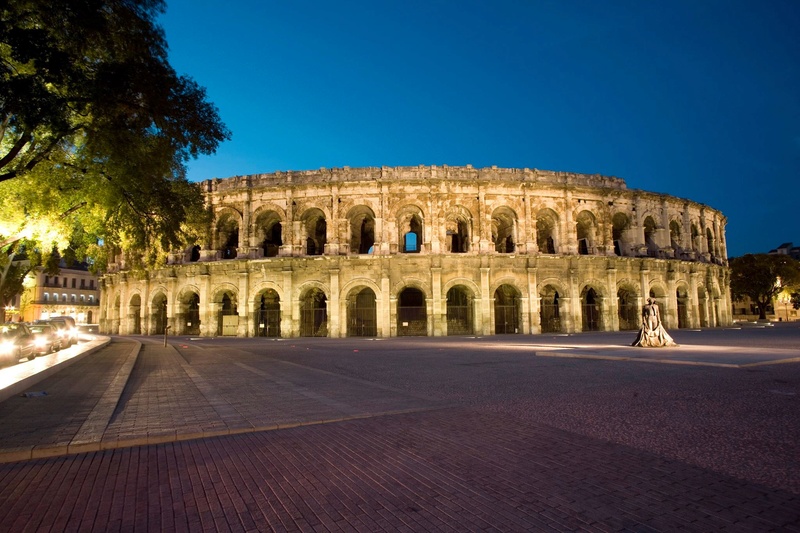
(505, 433)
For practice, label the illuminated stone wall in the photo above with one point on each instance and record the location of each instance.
(430, 251)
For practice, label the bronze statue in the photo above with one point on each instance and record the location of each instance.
(652, 334)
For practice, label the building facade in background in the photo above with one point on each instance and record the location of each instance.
(72, 292)
(384, 252)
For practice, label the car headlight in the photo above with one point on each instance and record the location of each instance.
(6, 347)
(40, 342)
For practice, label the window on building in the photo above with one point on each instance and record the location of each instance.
(73, 283)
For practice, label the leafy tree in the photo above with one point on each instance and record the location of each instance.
(95, 130)
(762, 277)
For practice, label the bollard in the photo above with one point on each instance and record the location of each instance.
(166, 330)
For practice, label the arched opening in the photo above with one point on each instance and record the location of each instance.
(362, 230)
(158, 318)
(506, 310)
(683, 307)
(549, 310)
(314, 314)
(269, 232)
(650, 236)
(194, 254)
(362, 314)
(459, 311)
(620, 224)
(412, 314)
(228, 316)
(268, 314)
(228, 235)
(585, 232)
(316, 231)
(546, 224)
(412, 239)
(135, 315)
(660, 296)
(695, 239)
(675, 238)
(503, 224)
(627, 309)
(190, 314)
(592, 308)
(457, 232)
(702, 306)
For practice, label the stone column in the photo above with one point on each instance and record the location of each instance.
(335, 326)
(486, 303)
(534, 323)
(384, 307)
(612, 324)
(245, 327)
(290, 310)
(438, 317)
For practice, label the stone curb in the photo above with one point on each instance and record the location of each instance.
(25, 383)
(89, 436)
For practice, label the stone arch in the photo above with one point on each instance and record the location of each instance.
(586, 232)
(592, 307)
(703, 305)
(628, 308)
(547, 238)
(188, 319)
(460, 310)
(268, 231)
(362, 229)
(267, 313)
(226, 234)
(158, 312)
(225, 299)
(650, 228)
(676, 237)
(682, 297)
(135, 314)
(315, 229)
(458, 229)
(507, 309)
(504, 229)
(551, 308)
(411, 227)
(313, 312)
(620, 231)
(362, 312)
(412, 312)
(710, 244)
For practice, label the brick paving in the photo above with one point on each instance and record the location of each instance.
(402, 435)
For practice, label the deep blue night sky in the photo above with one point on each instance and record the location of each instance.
(699, 100)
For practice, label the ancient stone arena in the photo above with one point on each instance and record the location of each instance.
(385, 252)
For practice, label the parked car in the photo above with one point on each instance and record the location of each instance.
(45, 338)
(72, 328)
(16, 343)
(62, 331)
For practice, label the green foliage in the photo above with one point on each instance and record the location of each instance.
(762, 276)
(795, 300)
(96, 129)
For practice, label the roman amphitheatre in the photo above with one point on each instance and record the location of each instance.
(429, 250)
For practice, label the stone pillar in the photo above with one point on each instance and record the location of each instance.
(207, 326)
(670, 318)
(612, 324)
(384, 307)
(694, 303)
(245, 326)
(438, 317)
(534, 323)
(290, 310)
(575, 315)
(486, 304)
(335, 322)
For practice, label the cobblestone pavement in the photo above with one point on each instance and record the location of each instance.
(438, 434)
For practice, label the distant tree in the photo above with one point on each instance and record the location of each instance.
(762, 276)
(796, 300)
(96, 128)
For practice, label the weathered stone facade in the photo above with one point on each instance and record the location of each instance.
(430, 251)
